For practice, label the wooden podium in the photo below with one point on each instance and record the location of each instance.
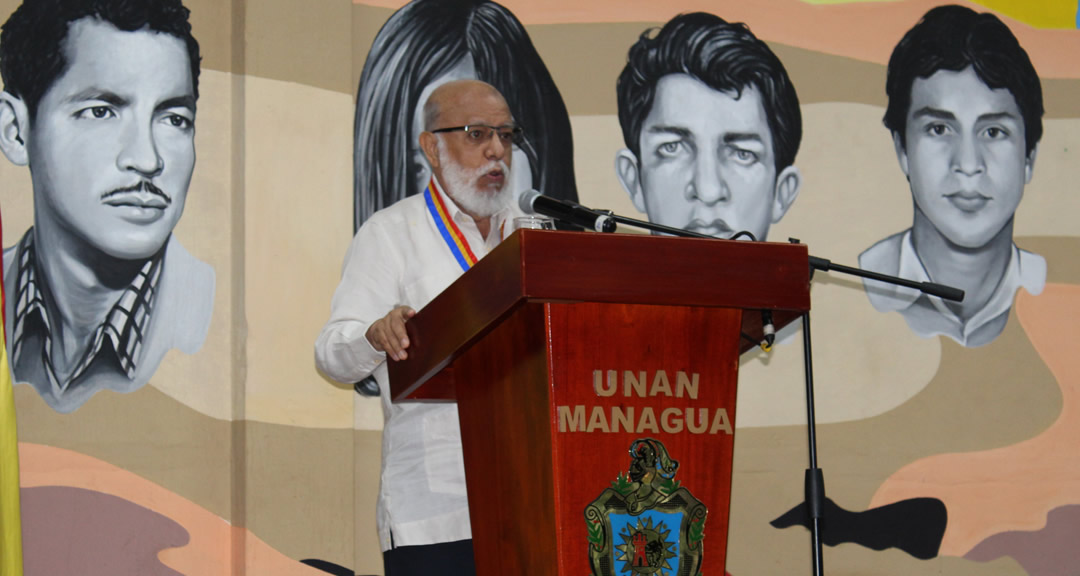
(595, 377)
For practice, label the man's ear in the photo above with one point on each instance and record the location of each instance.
(788, 184)
(1029, 165)
(901, 153)
(429, 143)
(626, 168)
(14, 128)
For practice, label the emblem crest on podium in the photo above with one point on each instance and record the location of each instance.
(646, 524)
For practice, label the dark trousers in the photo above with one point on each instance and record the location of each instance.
(445, 559)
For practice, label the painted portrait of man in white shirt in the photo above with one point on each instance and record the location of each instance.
(965, 112)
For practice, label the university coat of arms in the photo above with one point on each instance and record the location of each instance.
(645, 524)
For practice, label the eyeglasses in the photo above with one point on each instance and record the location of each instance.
(480, 133)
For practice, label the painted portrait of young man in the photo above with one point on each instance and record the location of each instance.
(711, 124)
(965, 113)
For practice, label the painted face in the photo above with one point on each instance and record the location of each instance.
(706, 161)
(521, 177)
(112, 147)
(964, 155)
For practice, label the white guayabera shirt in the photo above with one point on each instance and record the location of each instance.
(400, 257)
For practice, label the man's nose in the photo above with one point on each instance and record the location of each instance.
(139, 152)
(496, 149)
(967, 156)
(708, 183)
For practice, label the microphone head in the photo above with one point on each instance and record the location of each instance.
(525, 201)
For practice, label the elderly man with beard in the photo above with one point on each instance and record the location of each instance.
(400, 259)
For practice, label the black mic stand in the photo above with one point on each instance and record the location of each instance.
(813, 480)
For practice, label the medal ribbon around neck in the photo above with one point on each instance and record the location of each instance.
(453, 237)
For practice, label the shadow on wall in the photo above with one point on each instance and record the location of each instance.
(330, 567)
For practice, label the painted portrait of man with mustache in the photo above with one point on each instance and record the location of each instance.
(99, 102)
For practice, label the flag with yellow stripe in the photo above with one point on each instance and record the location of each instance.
(10, 522)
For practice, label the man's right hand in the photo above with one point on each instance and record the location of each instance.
(388, 335)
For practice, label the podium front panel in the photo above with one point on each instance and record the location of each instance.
(643, 417)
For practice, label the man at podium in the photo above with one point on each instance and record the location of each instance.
(399, 260)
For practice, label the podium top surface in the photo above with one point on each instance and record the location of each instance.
(550, 266)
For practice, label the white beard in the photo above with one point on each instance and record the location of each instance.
(461, 185)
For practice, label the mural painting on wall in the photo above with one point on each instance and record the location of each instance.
(915, 506)
(712, 125)
(965, 112)
(99, 102)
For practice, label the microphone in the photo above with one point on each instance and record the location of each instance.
(533, 202)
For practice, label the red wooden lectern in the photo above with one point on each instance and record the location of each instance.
(595, 376)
